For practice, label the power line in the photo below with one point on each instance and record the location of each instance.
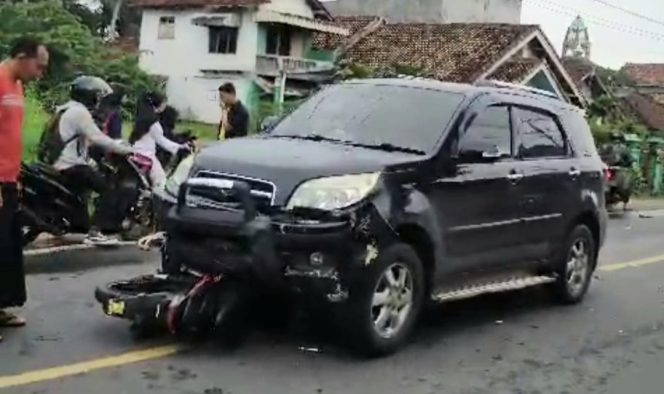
(563, 10)
(630, 12)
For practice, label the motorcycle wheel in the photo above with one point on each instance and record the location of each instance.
(28, 235)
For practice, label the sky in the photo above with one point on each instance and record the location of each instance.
(617, 37)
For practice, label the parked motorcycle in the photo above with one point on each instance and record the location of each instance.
(49, 206)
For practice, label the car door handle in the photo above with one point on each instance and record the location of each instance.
(515, 177)
(574, 172)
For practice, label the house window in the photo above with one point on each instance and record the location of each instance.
(166, 28)
(279, 39)
(223, 39)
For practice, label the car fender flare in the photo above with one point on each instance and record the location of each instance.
(410, 207)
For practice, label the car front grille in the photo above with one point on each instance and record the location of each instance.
(262, 192)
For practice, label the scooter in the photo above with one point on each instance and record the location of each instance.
(619, 185)
(49, 206)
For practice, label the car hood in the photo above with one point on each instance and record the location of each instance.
(289, 162)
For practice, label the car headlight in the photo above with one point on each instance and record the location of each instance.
(180, 175)
(333, 193)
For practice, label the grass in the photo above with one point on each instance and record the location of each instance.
(36, 118)
(33, 125)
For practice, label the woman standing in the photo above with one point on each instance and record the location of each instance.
(148, 134)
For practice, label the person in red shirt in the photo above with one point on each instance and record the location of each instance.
(28, 60)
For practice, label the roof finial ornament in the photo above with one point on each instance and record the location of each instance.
(577, 40)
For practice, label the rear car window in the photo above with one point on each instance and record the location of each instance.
(489, 132)
(539, 135)
(579, 133)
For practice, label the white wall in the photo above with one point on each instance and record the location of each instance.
(441, 11)
(196, 97)
(294, 7)
(187, 53)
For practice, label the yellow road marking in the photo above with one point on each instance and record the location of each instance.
(632, 264)
(87, 366)
(168, 350)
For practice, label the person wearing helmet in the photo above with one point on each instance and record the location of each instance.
(79, 131)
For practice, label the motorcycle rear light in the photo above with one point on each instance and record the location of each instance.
(608, 174)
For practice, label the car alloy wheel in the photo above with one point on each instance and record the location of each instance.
(578, 265)
(392, 300)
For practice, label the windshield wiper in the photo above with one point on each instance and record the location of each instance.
(310, 137)
(387, 147)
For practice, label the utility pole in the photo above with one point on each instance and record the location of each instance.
(280, 86)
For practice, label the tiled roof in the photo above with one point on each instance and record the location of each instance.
(196, 3)
(650, 112)
(645, 74)
(515, 70)
(452, 52)
(578, 68)
(317, 7)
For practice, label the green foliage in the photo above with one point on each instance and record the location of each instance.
(35, 119)
(268, 108)
(74, 49)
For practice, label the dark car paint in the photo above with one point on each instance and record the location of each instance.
(474, 216)
(289, 162)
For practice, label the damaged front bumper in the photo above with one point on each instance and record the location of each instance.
(318, 259)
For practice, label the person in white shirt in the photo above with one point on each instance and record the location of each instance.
(148, 134)
(79, 133)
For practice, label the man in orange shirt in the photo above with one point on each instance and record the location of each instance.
(28, 61)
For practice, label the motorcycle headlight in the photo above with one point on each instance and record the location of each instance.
(180, 175)
(333, 193)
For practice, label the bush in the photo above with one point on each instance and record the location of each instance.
(74, 49)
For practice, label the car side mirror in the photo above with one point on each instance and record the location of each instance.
(269, 123)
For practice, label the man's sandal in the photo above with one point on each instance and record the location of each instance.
(10, 320)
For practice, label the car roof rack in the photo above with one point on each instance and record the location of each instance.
(490, 83)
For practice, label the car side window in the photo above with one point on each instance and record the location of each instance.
(489, 135)
(539, 135)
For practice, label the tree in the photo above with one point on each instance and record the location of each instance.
(74, 49)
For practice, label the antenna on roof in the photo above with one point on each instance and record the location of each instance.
(490, 83)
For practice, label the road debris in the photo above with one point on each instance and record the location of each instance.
(309, 349)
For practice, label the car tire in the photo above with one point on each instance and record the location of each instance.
(576, 265)
(385, 302)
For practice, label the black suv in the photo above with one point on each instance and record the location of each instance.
(383, 195)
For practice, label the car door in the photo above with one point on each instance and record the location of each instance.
(476, 202)
(549, 178)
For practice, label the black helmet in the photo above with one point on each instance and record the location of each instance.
(89, 90)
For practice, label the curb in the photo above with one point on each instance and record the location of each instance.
(80, 257)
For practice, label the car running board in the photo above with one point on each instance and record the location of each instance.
(511, 284)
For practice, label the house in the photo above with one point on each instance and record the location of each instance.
(455, 52)
(197, 45)
(646, 93)
(432, 11)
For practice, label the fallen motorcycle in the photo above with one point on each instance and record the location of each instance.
(213, 292)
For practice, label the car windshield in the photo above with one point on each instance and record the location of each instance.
(388, 117)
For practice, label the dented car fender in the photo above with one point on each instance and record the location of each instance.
(405, 209)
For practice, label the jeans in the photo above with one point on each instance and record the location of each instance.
(111, 205)
(12, 277)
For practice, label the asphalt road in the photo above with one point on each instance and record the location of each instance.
(511, 343)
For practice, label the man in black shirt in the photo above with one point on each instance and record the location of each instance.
(235, 118)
